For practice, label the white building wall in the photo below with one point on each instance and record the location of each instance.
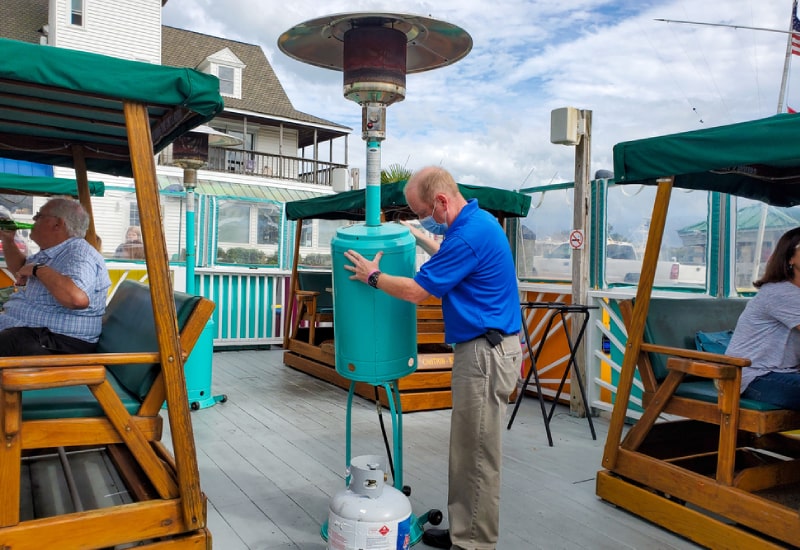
(129, 29)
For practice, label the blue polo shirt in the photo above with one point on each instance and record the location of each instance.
(473, 273)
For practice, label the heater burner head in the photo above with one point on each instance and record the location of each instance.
(429, 43)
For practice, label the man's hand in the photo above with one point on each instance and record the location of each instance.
(361, 267)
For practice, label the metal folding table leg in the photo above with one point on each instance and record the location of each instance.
(535, 374)
(573, 347)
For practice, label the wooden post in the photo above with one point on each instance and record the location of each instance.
(580, 257)
(287, 309)
(155, 248)
(636, 332)
(84, 196)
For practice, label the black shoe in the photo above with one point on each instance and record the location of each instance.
(438, 538)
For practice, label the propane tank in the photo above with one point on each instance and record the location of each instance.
(369, 514)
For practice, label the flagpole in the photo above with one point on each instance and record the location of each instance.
(787, 62)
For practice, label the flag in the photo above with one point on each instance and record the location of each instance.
(795, 30)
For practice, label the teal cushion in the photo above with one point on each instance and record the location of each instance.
(128, 326)
(71, 402)
(675, 322)
(705, 391)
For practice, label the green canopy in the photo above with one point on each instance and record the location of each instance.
(43, 185)
(350, 204)
(759, 159)
(54, 99)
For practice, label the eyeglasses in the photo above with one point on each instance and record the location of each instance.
(40, 215)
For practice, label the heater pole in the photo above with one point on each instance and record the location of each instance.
(373, 132)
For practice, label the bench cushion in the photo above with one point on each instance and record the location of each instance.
(71, 402)
(675, 323)
(704, 390)
(128, 326)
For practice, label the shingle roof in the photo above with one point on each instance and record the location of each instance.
(22, 19)
(262, 92)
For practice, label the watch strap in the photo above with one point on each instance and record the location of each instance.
(372, 280)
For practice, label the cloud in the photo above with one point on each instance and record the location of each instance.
(487, 117)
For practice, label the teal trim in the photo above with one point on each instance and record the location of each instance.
(599, 228)
(549, 187)
(714, 221)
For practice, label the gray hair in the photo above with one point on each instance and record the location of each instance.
(72, 213)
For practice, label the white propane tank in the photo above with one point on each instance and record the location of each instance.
(369, 515)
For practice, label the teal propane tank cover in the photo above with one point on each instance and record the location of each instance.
(376, 334)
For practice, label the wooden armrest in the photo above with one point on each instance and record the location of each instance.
(698, 355)
(702, 369)
(79, 359)
(306, 294)
(53, 377)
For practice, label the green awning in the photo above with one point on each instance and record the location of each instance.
(43, 185)
(350, 204)
(759, 159)
(54, 99)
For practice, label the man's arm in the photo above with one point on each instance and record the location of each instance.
(14, 257)
(63, 288)
(423, 241)
(404, 288)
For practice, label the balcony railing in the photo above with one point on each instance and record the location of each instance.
(269, 165)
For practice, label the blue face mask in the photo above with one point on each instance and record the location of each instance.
(429, 224)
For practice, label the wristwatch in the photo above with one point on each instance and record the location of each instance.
(36, 268)
(372, 280)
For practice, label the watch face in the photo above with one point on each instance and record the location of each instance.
(373, 279)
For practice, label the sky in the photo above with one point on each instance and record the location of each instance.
(486, 118)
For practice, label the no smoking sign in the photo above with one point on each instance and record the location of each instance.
(576, 239)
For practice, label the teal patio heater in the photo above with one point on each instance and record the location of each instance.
(375, 338)
(190, 152)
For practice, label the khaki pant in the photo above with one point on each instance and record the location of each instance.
(483, 378)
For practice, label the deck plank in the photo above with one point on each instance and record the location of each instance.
(273, 455)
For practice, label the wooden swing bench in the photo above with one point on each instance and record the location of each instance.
(724, 475)
(107, 401)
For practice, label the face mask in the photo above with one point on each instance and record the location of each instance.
(432, 225)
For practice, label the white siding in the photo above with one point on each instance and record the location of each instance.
(130, 29)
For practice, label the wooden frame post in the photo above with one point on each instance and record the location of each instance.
(640, 307)
(147, 198)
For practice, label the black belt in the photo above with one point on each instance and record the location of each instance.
(494, 336)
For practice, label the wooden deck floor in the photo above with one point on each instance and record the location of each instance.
(272, 457)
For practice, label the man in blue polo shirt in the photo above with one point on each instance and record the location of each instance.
(472, 271)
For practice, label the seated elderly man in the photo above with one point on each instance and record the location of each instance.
(61, 299)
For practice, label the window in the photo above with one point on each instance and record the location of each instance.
(238, 159)
(227, 68)
(682, 258)
(315, 241)
(133, 215)
(543, 250)
(226, 77)
(234, 223)
(76, 13)
(248, 233)
(306, 232)
(269, 220)
(758, 228)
